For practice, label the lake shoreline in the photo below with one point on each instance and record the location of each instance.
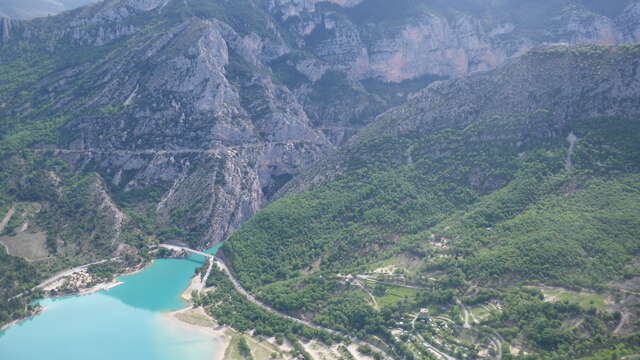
(105, 285)
(198, 315)
(199, 320)
(180, 317)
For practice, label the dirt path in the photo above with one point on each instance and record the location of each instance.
(466, 314)
(373, 298)
(4, 223)
(6, 218)
(369, 278)
(623, 321)
(497, 340)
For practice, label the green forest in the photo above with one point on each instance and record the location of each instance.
(511, 216)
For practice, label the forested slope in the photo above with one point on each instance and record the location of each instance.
(525, 175)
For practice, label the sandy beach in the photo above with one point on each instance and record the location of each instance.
(8, 325)
(197, 319)
(194, 284)
(100, 287)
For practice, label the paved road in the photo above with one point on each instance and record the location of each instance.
(222, 266)
(69, 272)
(178, 248)
(203, 283)
(63, 274)
(220, 148)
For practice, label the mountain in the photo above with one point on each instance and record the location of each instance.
(483, 190)
(202, 110)
(29, 9)
(131, 122)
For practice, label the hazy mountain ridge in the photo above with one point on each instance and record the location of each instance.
(388, 40)
(28, 9)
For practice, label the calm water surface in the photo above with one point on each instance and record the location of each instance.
(124, 323)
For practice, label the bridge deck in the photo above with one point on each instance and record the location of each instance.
(183, 248)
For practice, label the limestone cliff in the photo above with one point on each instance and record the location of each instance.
(203, 110)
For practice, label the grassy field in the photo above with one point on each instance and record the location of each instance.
(20, 236)
(31, 246)
(259, 350)
(586, 300)
(395, 295)
(196, 317)
(480, 312)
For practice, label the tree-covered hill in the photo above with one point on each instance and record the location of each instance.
(529, 174)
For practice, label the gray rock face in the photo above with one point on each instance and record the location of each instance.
(604, 81)
(5, 29)
(537, 96)
(439, 40)
(216, 107)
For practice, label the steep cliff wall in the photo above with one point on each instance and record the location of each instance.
(203, 110)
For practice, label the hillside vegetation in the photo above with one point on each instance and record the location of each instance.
(483, 198)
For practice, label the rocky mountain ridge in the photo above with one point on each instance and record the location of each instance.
(519, 103)
(213, 106)
(29, 9)
(417, 38)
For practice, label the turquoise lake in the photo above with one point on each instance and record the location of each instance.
(125, 322)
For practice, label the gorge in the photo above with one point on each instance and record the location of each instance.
(437, 179)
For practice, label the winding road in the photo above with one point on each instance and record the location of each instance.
(203, 283)
(223, 267)
(429, 346)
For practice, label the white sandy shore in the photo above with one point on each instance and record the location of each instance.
(100, 287)
(200, 320)
(220, 334)
(194, 284)
(6, 326)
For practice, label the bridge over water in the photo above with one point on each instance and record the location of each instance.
(185, 249)
(210, 258)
